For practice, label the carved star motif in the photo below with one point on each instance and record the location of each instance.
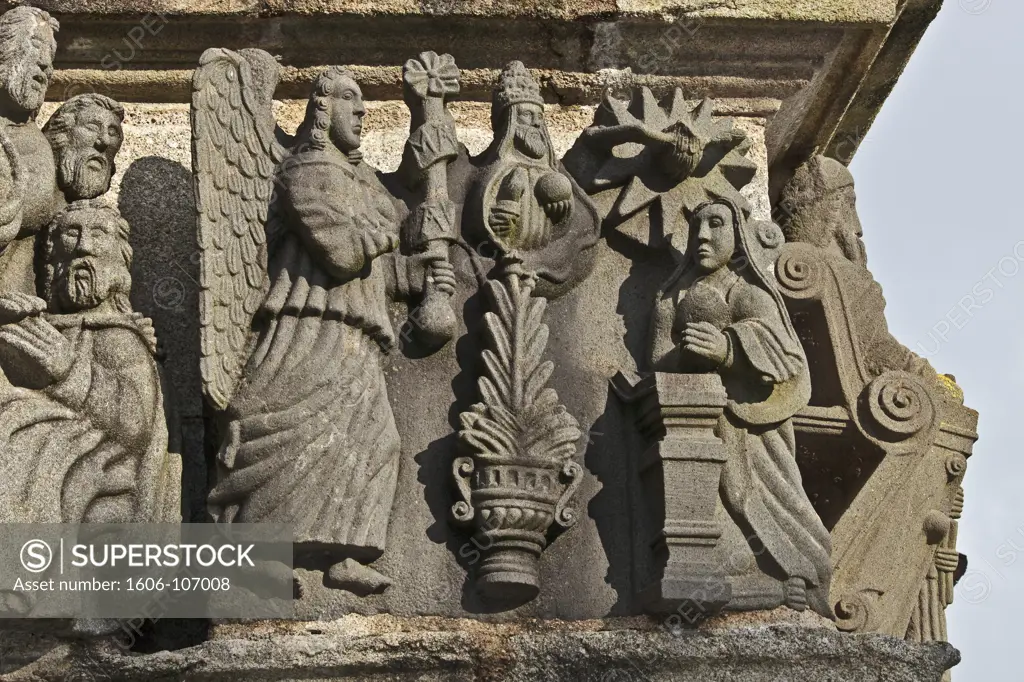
(646, 144)
(432, 74)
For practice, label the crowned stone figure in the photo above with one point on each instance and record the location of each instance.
(521, 197)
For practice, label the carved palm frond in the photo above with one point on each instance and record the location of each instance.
(519, 420)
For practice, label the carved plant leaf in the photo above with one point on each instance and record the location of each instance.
(519, 420)
(537, 381)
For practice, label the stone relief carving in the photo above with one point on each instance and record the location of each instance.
(85, 134)
(796, 453)
(82, 427)
(522, 201)
(733, 526)
(429, 82)
(298, 243)
(82, 416)
(901, 429)
(519, 476)
(644, 164)
(720, 313)
(305, 247)
(30, 196)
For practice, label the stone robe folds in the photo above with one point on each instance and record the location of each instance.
(94, 446)
(765, 510)
(312, 439)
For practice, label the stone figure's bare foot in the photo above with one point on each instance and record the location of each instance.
(356, 578)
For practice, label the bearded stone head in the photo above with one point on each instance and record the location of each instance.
(819, 206)
(27, 48)
(85, 133)
(517, 111)
(88, 259)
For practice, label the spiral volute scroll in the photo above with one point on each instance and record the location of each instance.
(462, 510)
(799, 272)
(565, 515)
(956, 465)
(896, 406)
(854, 611)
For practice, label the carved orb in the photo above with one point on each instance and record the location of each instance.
(552, 187)
(703, 303)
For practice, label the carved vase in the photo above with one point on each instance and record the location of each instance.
(519, 475)
(514, 507)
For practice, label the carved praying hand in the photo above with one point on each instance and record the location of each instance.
(44, 355)
(16, 306)
(704, 339)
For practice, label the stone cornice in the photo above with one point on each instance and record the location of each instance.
(830, 63)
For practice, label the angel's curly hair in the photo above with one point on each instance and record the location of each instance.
(122, 289)
(313, 133)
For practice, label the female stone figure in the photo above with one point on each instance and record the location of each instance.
(719, 312)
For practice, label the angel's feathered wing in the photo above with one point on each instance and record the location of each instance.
(234, 155)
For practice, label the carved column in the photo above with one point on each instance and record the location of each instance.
(679, 475)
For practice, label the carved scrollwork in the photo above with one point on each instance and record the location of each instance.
(462, 510)
(769, 235)
(799, 272)
(956, 465)
(897, 406)
(565, 515)
(854, 612)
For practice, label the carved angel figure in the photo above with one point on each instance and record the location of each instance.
(720, 312)
(298, 241)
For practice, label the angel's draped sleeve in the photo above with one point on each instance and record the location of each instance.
(760, 338)
(333, 213)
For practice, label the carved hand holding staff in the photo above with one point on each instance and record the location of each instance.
(297, 272)
(429, 82)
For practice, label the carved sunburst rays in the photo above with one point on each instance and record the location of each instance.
(672, 155)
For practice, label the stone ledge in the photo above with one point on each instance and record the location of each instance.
(830, 63)
(825, 11)
(387, 648)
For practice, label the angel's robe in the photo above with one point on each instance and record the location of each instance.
(312, 440)
(761, 490)
(92, 447)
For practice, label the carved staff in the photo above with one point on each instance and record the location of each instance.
(429, 82)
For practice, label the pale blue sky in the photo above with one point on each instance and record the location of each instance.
(939, 195)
